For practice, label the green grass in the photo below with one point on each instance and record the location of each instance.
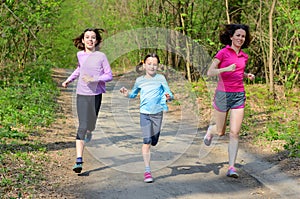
(273, 121)
(21, 171)
(28, 103)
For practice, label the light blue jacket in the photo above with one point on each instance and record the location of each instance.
(152, 93)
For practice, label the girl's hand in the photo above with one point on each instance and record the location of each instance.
(65, 84)
(230, 67)
(168, 97)
(124, 91)
(250, 76)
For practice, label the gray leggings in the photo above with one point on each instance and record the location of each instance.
(87, 110)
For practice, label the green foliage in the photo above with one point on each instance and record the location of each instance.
(199, 87)
(176, 102)
(198, 20)
(28, 99)
(273, 121)
(292, 139)
(272, 132)
(28, 102)
(19, 31)
(289, 132)
(27, 92)
(113, 16)
(22, 170)
(10, 133)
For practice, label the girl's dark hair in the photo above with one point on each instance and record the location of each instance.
(152, 55)
(229, 30)
(78, 40)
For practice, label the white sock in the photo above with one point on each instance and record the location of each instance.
(147, 169)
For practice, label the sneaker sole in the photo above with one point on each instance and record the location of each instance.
(148, 180)
(77, 170)
(206, 141)
(233, 175)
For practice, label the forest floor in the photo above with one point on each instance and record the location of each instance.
(182, 166)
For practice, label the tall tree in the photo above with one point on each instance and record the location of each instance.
(20, 25)
(270, 61)
(227, 12)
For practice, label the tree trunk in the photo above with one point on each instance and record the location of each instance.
(264, 56)
(227, 12)
(271, 73)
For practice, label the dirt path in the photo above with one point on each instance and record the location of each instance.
(182, 166)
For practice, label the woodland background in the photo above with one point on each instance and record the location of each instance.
(36, 36)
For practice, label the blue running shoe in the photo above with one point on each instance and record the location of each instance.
(77, 168)
(88, 137)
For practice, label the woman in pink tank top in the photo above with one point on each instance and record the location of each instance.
(229, 65)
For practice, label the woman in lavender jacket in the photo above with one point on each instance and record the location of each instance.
(92, 72)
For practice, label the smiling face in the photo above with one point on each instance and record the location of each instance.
(89, 40)
(150, 66)
(238, 38)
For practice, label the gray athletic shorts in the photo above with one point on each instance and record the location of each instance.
(151, 125)
(223, 101)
